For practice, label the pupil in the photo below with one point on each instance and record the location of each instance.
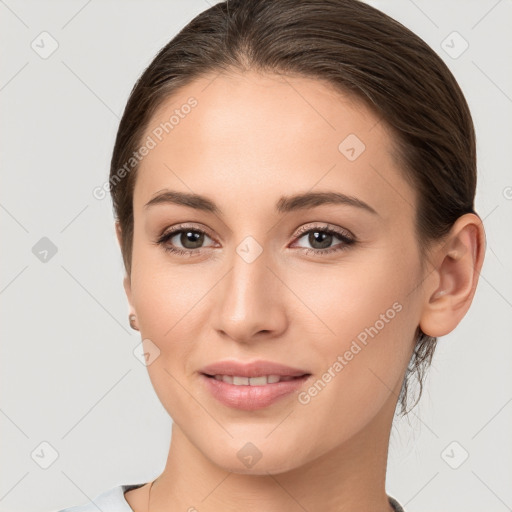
(325, 239)
(192, 237)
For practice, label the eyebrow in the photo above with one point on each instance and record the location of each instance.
(285, 204)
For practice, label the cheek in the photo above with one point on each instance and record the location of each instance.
(165, 301)
(362, 333)
(343, 300)
(162, 293)
(168, 304)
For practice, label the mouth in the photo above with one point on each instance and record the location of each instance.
(262, 380)
(252, 393)
(238, 370)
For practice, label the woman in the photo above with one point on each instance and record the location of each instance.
(293, 185)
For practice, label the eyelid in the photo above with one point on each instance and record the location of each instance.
(322, 226)
(186, 225)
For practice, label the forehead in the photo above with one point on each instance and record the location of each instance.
(258, 136)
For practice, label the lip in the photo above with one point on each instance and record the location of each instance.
(251, 398)
(246, 397)
(252, 369)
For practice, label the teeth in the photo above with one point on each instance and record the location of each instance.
(258, 381)
(252, 381)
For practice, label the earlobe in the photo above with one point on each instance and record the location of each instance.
(133, 321)
(460, 259)
(132, 316)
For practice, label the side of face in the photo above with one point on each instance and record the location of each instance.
(254, 289)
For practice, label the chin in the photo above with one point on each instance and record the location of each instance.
(250, 460)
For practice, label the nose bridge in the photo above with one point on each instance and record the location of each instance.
(250, 298)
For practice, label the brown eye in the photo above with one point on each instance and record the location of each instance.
(190, 239)
(183, 240)
(321, 240)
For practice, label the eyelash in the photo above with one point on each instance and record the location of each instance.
(343, 236)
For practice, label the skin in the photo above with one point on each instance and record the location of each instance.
(251, 139)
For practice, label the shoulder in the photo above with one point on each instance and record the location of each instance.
(111, 500)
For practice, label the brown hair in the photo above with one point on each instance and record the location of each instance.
(362, 52)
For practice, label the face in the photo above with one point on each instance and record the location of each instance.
(323, 284)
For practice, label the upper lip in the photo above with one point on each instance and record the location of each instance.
(252, 369)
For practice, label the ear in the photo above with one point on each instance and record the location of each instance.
(451, 286)
(119, 234)
(126, 280)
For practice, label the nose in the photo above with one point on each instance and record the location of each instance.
(250, 305)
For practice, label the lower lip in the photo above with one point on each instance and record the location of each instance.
(251, 398)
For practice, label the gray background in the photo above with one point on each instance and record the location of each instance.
(68, 373)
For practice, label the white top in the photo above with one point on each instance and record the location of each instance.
(113, 500)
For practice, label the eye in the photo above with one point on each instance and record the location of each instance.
(190, 238)
(322, 237)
